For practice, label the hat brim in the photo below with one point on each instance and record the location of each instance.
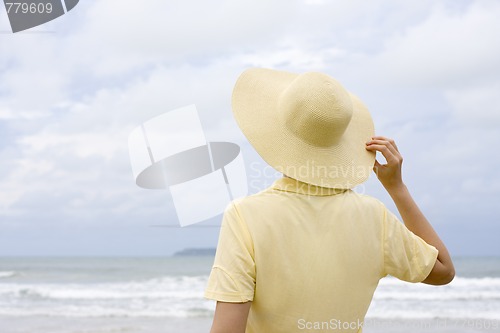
(255, 108)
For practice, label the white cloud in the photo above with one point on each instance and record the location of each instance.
(23, 171)
(86, 144)
(452, 47)
(9, 114)
(294, 57)
(428, 71)
(477, 106)
(175, 32)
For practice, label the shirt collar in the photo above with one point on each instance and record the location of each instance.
(296, 186)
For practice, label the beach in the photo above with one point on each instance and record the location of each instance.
(198, 325)
(103, 325)
(153, 295)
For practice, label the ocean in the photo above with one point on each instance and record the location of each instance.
(104, 295)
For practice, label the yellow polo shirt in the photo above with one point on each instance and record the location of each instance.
(309, 258)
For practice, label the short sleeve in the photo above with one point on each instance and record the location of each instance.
(406, 256)
(232, 278)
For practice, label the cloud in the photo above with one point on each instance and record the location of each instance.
(68, 99)
(9, 114)
(84, 154)
(173, 32)
(452, 47)
(477, 106)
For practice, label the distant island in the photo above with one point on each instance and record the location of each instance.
(196, 252)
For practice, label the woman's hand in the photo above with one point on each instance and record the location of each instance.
(389, 174)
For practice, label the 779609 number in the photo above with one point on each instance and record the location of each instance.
(25, 8)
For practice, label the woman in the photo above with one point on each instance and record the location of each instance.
(307, 253)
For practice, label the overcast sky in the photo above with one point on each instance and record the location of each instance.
(72, 90)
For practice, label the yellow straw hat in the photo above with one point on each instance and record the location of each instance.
(306, 126)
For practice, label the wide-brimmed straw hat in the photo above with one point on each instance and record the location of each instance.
(306, 126)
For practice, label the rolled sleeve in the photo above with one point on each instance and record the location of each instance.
(406, 256)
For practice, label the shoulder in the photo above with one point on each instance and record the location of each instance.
(260, 198)
(368, 206)
(367, 200)
(251, 201)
